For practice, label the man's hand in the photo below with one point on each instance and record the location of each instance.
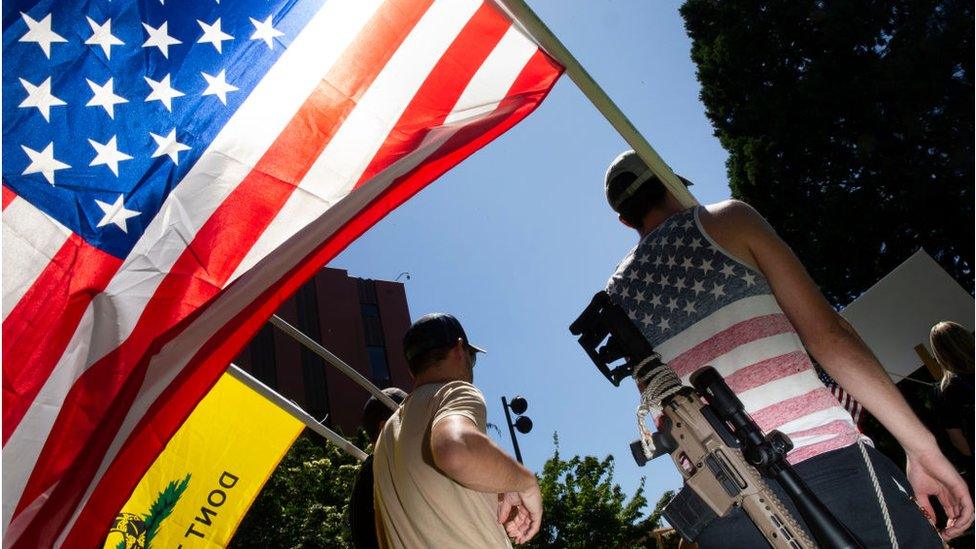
(521, 513)
(931, 474)
(462, 452)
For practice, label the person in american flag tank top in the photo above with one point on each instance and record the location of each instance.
(715, 286)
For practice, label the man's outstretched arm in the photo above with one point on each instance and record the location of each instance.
(838, 349)
(465, 454)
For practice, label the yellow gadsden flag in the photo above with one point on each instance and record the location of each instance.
(198, 489)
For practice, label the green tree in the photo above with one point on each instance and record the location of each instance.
(305, 502)
(849, 125)
(584, 508)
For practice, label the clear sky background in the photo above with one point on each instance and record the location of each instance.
(516, 239)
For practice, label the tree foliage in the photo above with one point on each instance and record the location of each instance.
(849, 125)
(584, 508)
(305, 502)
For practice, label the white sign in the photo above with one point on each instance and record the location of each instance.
(896, 314)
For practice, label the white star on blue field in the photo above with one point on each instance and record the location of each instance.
(107, 105)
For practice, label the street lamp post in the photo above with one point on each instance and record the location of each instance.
(518, 405)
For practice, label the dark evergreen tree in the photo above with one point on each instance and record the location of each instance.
(849, 125)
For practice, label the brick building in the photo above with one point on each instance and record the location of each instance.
(359, 320)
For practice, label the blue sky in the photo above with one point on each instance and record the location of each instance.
(516, 239)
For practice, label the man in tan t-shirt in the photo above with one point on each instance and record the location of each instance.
(439, 480)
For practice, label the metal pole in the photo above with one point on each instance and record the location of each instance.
(530, 23)
(346, 369)
(511, 431)
(296, 412)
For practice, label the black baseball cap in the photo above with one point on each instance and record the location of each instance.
(374, 411)
(433, 331)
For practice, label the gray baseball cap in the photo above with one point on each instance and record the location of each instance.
(629, 162)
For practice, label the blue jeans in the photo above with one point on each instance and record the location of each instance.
(841, 480)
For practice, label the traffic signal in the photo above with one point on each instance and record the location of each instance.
(518, 405)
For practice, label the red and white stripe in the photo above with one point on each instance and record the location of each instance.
(30, 240)
(371, 102)
(754, 346)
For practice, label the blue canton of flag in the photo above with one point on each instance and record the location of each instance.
(107, 105)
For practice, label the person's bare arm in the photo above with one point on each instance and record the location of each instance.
(469, 457)
(462, 452)
(844, 356)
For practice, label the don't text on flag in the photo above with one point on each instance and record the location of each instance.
(199, 488)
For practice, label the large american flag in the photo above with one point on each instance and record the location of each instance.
(172, 170)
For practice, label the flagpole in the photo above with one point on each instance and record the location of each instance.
(296, 412)
(523, 16)
(346, 369)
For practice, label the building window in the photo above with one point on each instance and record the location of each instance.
(313, 367)
(367, 290)
(379, 367)
(373, 331)
(369, 309)
(263, 365)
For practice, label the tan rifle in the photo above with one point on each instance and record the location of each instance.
(725, 459)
